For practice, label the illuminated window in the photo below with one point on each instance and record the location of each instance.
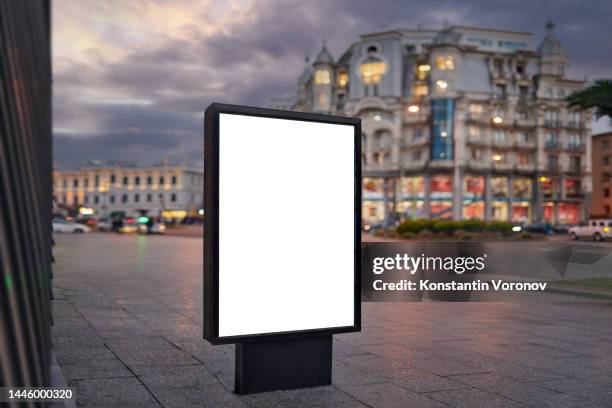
(422, 71)
(322, 98)
(343, 79)
(420, 90)
(476, 108)
(372, 70)
(442, 85)
(498, 157)
(322, 77)
(444, 63)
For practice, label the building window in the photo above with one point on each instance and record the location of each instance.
(605, 160)
(173, 197)
(112, 199)
(522, 137)
(445, 63)
(136, 197)
(125, 181)
(86, 199)
(161, 179)
(500, 91)
(442, 128)
(476, 108)
(75, 183)
(137, 180)
(420, 90)
(441, 85)
(112, 178)
(498, 157)
(552, 163)
(423, 71)
(417, 133)
(124, 198)
(552, 139)
(97, 180)
(343, 78)
(476, 154)
(86, 182)
(606, 192)
(551, 117)
(499, 136)
(322, 77)
(498, 66)
(149, 180)
(65, 183)
(416, 155)
(149, 198)
(96, 199)
(523, 115)
(372, 70)
(523, 93)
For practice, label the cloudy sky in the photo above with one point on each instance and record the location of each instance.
(132, 78)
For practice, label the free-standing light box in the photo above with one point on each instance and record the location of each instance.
(282, 235)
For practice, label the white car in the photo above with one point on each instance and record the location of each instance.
(597, 230)
(60, 225)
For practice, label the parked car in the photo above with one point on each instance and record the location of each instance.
(539, 228)
(156, 228)
(104, 224)
(562, 228)
(60, 225)
(597, 230)
(129, 227)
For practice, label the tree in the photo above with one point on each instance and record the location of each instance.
(598, 96)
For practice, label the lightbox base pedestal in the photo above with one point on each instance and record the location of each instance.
(283, 364)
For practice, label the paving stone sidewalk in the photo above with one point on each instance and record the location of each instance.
(128, 333)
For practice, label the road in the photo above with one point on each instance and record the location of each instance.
(128, 333)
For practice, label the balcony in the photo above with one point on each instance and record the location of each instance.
(574, 125)
(525, 167)
(552, 145)
(477, 165)
(479, 141)
(552, 123)
(502, 166)
(575, 194)
(576, 147)
(419, 141)
(414, 165)
(441, 164)
(526, 145)
(504, 143)
(552, 168)
(576, 170)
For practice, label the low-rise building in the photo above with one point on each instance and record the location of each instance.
(170, 191)
(602, 175)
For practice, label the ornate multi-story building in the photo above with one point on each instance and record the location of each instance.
(459, 123)
(170, 191)
(602, 175)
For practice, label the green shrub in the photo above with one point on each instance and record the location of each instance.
(499, 226)
(450, 226)
(414, 226)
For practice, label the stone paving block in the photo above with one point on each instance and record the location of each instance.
(69, 355)
(581, 388)
(210, 396)
(134, 357)
(389, 395)
(112, 392)
(91, 369)
(473, 398)
(176, 376)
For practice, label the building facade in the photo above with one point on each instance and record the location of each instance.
(176, 192)
(462, 123)
(602, 175)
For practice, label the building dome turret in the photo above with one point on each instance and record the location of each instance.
(324, 56)
(551, 45)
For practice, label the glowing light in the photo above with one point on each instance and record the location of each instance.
(497, 157)
(413, 108)
(441, 84)
(143, 219)
(444, 133)
(86, 211)
(517, 228)
(377, 117)
(497, 119)
(424, 68)
(544, 179)
(322, 77)
(201, 211)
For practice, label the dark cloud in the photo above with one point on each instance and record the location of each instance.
(155, 95)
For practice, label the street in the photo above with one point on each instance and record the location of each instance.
(128, 332)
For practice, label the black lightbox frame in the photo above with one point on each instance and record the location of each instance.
(211, 221)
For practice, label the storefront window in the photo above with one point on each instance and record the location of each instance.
(441, 187)
(473, 187)
(572, 188)
(373, 211)
(373, 188)
(569, 213)
(549, 212)
(414, 187)
(499, 187)
(499, 211)
(521, 188)
(412, 209)
(473, 210)
(521, 213)
(441, 209)
(548, 187)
